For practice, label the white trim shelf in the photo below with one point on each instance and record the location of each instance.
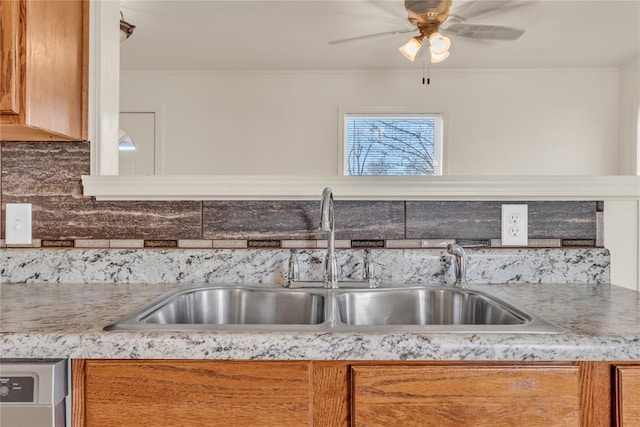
(274, 187)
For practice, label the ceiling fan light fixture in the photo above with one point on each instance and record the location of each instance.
(412, 47)
(439, 57)
(439, 44)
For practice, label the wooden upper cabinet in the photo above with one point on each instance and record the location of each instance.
(10, 45)
(44, 88)
(627, 380)
(465, 396)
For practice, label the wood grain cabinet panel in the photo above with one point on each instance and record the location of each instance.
(44, 89)
(627, 398)
(10, 61)
(192, 393)
(359, 393)
(465, 396)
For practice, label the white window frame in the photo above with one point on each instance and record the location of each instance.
(389, 113)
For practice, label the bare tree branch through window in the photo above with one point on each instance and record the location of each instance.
(393, 145)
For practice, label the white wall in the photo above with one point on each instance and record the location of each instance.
(496, 122)
(629, 156)
(622, 217)
(141, 128)
(622, 238)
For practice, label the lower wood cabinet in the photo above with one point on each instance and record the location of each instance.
(191, 393)
(342, 393)
(465, 395)
(627, 381)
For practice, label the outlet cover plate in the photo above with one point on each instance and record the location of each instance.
(515, 228)
(18, 223)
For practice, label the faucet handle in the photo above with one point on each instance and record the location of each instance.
(368, 274)
(293, 273)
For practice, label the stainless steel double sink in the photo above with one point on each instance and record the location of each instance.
(401, 309)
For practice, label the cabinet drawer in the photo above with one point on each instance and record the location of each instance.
(465, 395)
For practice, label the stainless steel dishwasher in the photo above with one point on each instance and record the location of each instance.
(34, 392)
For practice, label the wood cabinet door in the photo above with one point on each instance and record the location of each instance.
(627, 396)
(465, 396)
(10, 31)
(191, 393)
(44, 85)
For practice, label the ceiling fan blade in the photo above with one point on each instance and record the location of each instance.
(485, 32)
(388, 8)
(374, 35)
(477, 8)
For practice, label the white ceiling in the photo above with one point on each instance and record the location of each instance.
(294, 35)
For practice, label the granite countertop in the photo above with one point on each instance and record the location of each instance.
(58, 320)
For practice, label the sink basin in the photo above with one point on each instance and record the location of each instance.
(220, 306)
(449, 307)
(406, 309)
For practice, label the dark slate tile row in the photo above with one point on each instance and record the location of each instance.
(118, 220)
(452, 220)
(44, 171)
(562, 220)
(256, 220)
(260, 220)
(481, 220)
(48, 175)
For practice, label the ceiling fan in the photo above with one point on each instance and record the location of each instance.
(434, 22)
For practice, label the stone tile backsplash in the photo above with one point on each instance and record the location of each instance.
(287, 220)
(48, 175)
(481, 220)
(269, 266)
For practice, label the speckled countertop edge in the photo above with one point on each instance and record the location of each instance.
(57, 320)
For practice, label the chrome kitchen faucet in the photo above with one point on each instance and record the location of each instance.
(330, 263)
(327, 223)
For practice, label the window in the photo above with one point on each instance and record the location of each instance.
(393, 144)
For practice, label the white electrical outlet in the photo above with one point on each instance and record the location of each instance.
(515, 225)
(18, 224)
